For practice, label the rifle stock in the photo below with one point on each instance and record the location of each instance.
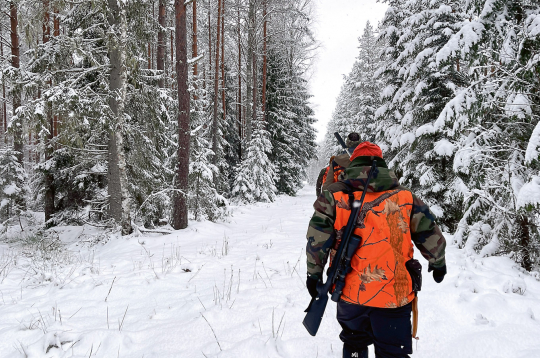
(315, 313)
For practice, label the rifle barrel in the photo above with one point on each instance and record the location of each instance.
(340, 140)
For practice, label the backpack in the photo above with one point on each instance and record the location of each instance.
(338, 169)
(333, 168)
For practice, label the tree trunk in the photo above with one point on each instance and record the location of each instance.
(524, 236)
(223, 60)
(49, 179)
(204, 78)
(194, 50)
(4, 109)
(56, 32)
(149, 57)
(56, 23)
(264, 63)
(119, 206)
(172, 48)
(215, 123)
(239, 101)
(209, 40)
(4, 106)
(162, 19)
(255, 103)
(249, 69)
(15, 62)
(180, 210)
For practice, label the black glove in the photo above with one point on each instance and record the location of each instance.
(438, 273)
(311, 284)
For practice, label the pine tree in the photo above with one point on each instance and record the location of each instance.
(180, 205)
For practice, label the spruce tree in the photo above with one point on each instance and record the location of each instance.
(495, 119)
(255, 177)
(13, 187)
(424, 84)
(289, 124)
(359, 97)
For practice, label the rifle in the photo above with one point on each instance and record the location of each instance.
(340, 267)
(342, 143)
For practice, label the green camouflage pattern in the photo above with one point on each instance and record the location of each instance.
(321, 235)
(426, 235)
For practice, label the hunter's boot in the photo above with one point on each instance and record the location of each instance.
(350, 352)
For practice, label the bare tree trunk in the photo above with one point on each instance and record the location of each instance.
(4, 100)
(4, 105)
(119, 206)
(204, 78)
(49, 179)
(172, 58)
(180, 209)
(249, 70)
(56, 32)
(215, 123)
(162, 20)
(224, 109)
(194, 41)
(149, 57)
(239, 101)
(4, 109)
(209, 39)
(18, 145)
(255, 104)
(524, 236)
(264, 62)
(194, 50)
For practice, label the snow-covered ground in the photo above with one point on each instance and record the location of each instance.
(236, 290)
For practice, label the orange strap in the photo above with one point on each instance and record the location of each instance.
(415, 317)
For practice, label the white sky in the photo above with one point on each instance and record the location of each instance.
(338, 24)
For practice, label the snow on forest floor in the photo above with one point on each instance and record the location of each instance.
(235, 289)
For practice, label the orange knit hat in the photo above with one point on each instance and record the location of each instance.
(367, 149)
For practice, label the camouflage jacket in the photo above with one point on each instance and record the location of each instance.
(321, 234)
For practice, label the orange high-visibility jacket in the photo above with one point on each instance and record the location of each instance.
(378, 277)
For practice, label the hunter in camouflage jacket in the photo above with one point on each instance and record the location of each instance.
(321, 235)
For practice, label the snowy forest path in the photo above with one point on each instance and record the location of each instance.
(237, 289)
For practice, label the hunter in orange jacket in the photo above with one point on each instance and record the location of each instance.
(391, 220)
